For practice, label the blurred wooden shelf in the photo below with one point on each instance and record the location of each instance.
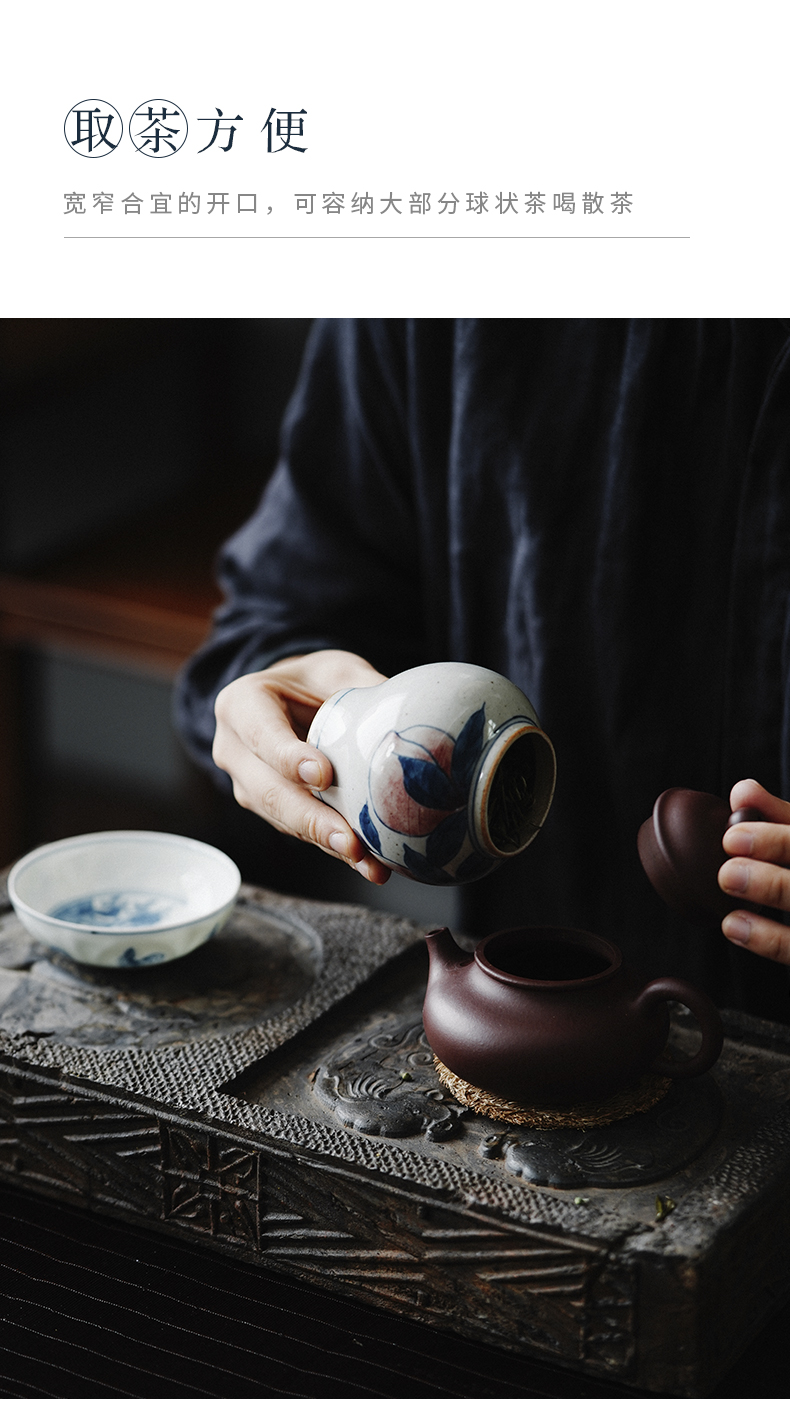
(143, 594)
(139, 597)
(100, 623)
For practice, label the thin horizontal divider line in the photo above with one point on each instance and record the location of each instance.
(356, 238)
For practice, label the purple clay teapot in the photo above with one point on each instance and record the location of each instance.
(552, 1017)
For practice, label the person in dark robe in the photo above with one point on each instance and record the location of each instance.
(599, 510)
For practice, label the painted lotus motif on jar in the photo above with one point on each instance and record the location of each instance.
(418, 783)
(443, 771)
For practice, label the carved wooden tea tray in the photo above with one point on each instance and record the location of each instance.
(272, 1096)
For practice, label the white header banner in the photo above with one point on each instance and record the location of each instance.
(427, 157)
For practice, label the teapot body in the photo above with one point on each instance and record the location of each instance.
(552, 1017)
(443, 771)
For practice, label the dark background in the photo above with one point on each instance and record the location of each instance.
(104, 421)
(131, 449)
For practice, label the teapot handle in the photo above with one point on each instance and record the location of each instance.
(676, 990)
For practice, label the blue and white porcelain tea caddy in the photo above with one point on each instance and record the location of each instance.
(443, 770)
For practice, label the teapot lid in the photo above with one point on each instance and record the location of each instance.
(680, 849)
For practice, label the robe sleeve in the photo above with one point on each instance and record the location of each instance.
(330, 557)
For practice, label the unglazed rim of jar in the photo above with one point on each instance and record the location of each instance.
(482, 785)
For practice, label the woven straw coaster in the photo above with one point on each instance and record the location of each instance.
(592, 1114)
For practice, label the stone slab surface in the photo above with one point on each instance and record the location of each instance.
(271, 1096)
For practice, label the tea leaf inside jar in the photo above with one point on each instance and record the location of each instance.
(512, 796)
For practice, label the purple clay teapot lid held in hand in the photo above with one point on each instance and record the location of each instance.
(680, 847)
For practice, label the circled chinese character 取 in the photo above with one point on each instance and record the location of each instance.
(93, 128)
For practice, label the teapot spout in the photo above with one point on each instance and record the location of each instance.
(444, 953)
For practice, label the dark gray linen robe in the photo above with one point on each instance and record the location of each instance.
(598, 509)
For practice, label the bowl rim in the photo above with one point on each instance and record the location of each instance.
(131, 835)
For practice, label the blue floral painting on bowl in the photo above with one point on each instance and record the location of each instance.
(418, 782)
(113, 909)
(129, 959)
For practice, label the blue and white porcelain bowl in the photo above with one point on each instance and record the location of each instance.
(124, 899)
(442, 771)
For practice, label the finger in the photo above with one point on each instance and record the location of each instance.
(373, 870)
(756, 881)
(748, 793)
(759, 935)
(256, 711)
(289, 808)
(323, 673)
(764, 841)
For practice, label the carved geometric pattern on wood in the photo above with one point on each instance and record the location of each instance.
(500, 1257)
(388, 1159)
(211, 1185)
(313, 1228)
(537, 1287)
(425, 1258)
(51, 1139)
(609, 1331)
(429, 1259)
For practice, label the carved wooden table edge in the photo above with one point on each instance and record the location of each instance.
(171, 1138)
